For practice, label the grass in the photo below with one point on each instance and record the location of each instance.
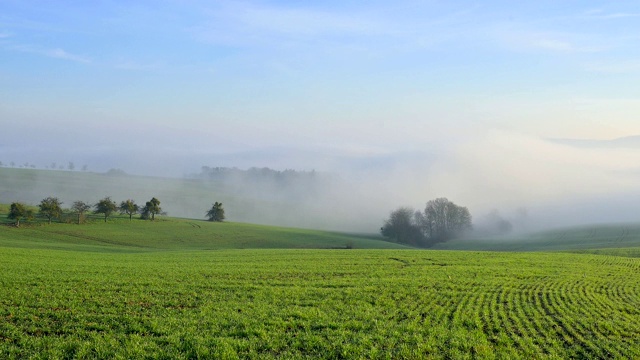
(121, 235)
(265, 303)
(188, 289)
(600, 236)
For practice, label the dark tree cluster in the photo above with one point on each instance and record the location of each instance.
(18, 212)
(440, 221)
(216, 213)
(150, 209)
(221, 173)
(263, 179)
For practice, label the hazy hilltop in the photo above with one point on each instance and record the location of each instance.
(623, 142)
(257, 195)
(531, 182)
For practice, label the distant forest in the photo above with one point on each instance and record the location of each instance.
(290, 181)
(253, 173)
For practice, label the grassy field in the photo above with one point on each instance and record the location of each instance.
(567, 239)
(121, 235)
(317, 304)
(187, 289)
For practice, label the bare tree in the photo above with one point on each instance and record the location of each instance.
(444, 220)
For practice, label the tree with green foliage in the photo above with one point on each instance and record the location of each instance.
(50, 208)
(403, 227)
(80, 207)
(129, 207)
(150, 209)
(216, 213)
(106, 206)
(19, 211)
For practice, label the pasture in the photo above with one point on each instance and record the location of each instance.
(586, 238)
(111, 291)
(121, 235)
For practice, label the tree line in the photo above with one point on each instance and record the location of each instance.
(51, 208)
(440, 221)
(54, 166)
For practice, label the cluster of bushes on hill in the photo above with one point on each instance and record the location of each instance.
(264, 182)
(440, 221)
(223, 173)
(51, 208)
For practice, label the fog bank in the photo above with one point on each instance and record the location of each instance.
(532, 182)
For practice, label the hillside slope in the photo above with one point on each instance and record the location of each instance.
(315, 201)
(122, 235)
(602, 236)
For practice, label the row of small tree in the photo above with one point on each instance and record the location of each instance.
(440, 221)
(70, 166)
(51, 208)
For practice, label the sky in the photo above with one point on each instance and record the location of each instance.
(461, 96)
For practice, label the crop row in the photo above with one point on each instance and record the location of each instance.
(314, 303)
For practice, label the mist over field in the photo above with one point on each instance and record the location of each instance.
(530, 182)
(524, 113)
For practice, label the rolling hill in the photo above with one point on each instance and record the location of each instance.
(599, 236)
(122, 235)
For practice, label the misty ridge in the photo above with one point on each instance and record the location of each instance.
(306, 199)
(510, 182)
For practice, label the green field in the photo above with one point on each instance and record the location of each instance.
(122, 235)
(186, 289)
(580, 239)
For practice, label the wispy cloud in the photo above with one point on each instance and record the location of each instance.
(4, 35)
(293, 21)
(614, 67)
(247, 24)
(56, 53)
(355, 29)
(137, 66)
(61, 54)
(600, 14)
(560, 42)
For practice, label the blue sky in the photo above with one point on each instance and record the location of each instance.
(458, 96)
(363, 74)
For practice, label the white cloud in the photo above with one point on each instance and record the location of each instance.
(511, 168)
(56, 53)
(305, 22)
(562, 42)
(599, 14)
(138, 66)
(61, 54)
(370, 28)
(614, 67)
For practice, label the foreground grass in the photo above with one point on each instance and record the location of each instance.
(317, 304)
